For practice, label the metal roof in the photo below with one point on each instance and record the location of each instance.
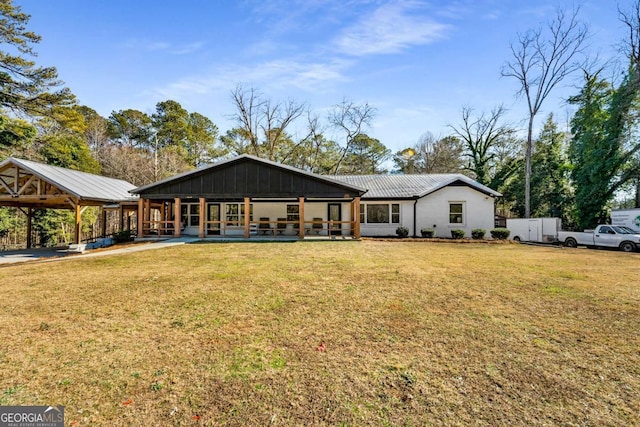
(82, 185)
(409, 186)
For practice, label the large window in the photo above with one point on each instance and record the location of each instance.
(293, 212)
(456, 213)
(234, 214)
(190, 214)
(380, 213)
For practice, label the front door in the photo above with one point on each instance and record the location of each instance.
(213, 214)
(335, 214)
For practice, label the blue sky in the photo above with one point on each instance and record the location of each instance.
(417, 62)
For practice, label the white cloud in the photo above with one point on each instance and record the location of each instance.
(391, 28)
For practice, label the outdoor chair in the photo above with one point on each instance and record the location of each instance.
(317, 226)
(282, 225)
(264, 227)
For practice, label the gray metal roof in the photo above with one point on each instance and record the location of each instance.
(409, 186)
(82, 185)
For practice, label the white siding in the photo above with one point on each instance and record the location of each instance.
(433, 210)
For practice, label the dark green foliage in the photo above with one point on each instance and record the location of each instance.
(478, 233)
(500, 233)
(402, 232)
(600, 149)
(427, 232)
(457, 233)
(123, 236)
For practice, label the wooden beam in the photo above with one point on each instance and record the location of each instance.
(247, 219)
(301, 218)
(177, 212)
(29, 227)
(78, 211)
(203, 206)
(15, 182)
(27, 184)
(356, 219)
(5, 184)
(140, 217)
(103, 231)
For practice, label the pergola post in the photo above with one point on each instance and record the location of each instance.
(104, 222)
(247, 217)
(29, 227)
(356, 218)
(203, 205)
(163, 224)
(78, 216)
(301, 218)
(177, 225)
(147, 215)
(140, 217)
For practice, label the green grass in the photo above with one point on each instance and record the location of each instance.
(414, 334)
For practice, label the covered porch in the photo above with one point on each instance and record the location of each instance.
(248, 197)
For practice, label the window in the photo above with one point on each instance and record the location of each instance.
(190, 214)
(293, 213)
(234, 214)
(380, 213)
(456, 213)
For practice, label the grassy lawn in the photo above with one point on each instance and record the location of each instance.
(345, 333)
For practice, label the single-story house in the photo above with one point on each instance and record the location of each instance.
(248, 196)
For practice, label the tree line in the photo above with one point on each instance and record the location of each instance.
(572, 173)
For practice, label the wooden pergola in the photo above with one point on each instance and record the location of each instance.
(29, 185)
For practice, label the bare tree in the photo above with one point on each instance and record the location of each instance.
(431, 155)
(351, 119)
(481, 136)
(542, 58)
(261, 122)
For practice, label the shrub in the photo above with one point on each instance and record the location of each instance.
(500, 233)
(402, 232)
(478, 233)
(457, 233)
(427, 232)
(123, 236)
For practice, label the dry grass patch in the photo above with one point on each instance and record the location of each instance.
(414, 334)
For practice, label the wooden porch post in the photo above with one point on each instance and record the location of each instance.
(147, 215)
(163, 218)
(29, 227)
(356, 219)
(177, 211)
(247, 219)
(121, 218)
(78, 222)
(104, 222)
(203, 206)
(301, 219)
(140, 217)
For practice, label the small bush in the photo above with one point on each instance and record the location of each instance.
(427, 232)
(478, 233)
(123, 236)
(402, 232)
(457, 233)
(500, 233)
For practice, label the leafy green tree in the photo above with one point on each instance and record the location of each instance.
(431, 155)
(14, 134)
(551, 194)
(25, 87)
(201, 141)
(364, 156)
(599, 150)
(130, 128)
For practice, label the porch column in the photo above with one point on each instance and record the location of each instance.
(301, 219)
(177, 224)
(247, 219)
(356, 219)
(29, 227)
(147, 215)
(203, 206)
(78, 222)
(140, 217)
(104, 222)
(163, 218)
(121, 218)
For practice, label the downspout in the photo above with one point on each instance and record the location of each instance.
(415, 202)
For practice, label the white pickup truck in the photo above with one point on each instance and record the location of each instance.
(604, 236)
